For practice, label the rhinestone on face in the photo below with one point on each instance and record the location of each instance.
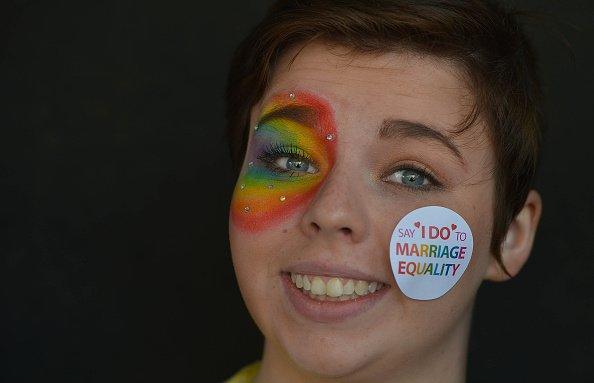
(270, 186)
(282, 198)
(256, 127)
(242, 186)
(251, 163)
(246, 209)
(329, 137)
(292, 96)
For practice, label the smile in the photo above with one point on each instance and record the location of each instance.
(323, 288)
(331, 294)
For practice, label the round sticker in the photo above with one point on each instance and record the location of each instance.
(429, 251)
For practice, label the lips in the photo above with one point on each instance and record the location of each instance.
(331, 294)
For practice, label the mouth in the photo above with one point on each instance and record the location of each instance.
(333, 289)
(329, 297)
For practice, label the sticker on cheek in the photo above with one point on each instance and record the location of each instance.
(429, 251)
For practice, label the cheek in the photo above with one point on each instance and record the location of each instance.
(474, 204)
(251, 260)
(480, 217)
(257, 260)
(259, 203)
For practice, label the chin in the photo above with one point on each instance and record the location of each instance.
(331, 351)
(330, 355)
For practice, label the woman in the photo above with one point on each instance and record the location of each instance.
(369, 137)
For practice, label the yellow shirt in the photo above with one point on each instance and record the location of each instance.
(246, 374)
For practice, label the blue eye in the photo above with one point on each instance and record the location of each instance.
(288, 160)
(295, 164)
(411, 178)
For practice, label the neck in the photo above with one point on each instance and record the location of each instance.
(443, 361)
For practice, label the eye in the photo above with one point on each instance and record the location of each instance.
(412, 178)
(288, 160)
(295, 164)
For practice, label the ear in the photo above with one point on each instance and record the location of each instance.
(517, 244)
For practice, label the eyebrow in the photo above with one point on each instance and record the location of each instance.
(394, 128)
(302, 114)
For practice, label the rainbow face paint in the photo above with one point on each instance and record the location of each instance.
(291, 152)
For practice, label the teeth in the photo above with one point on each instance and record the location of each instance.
(334, 289)
(299, 281)
(362, 288)
(349, 288)
(318, 287)
(306, 283)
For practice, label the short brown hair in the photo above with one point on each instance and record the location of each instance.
(484, 39)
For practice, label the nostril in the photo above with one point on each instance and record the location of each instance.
(346, 230)
(315, 226)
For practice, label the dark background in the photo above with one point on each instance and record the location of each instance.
(115, 181)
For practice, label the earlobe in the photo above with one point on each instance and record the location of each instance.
(517, 245)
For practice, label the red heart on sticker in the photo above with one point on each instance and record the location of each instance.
(454, 226)
(417, 224)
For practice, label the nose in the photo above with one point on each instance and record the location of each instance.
(338, 210)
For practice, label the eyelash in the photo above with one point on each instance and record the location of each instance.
(276, 150)
(423, 171)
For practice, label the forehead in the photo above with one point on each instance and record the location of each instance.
(370, 88)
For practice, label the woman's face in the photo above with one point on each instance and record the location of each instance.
(321, 191)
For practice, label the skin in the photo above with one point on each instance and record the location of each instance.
(351, 216)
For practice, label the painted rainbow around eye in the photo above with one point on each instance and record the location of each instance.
(262, 197)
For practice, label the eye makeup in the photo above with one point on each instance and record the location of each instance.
(288, 159)
(291, 152)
